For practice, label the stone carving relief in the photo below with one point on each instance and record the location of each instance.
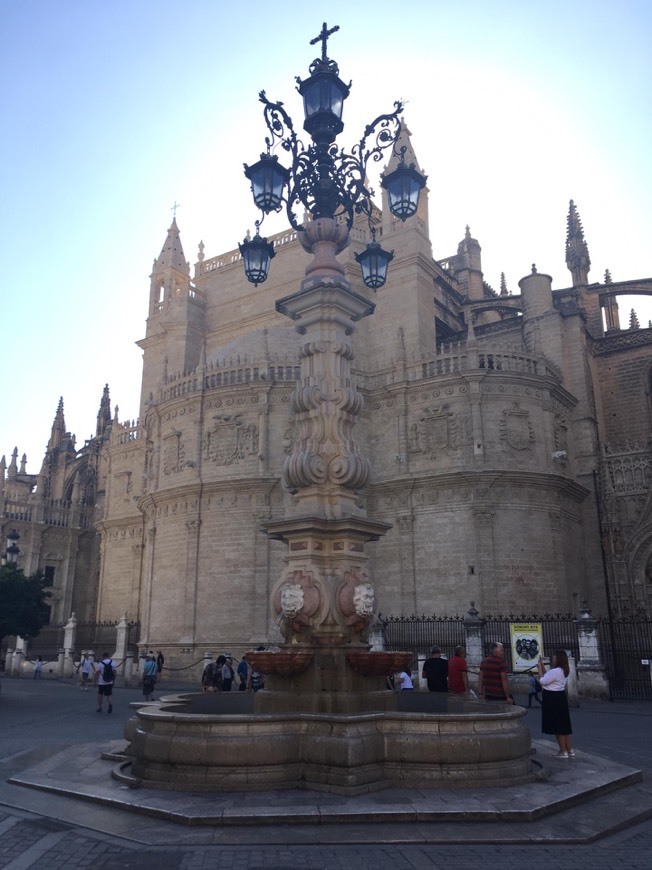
(173, 452)
(296, 601)
(629, 468)
(230, 440)
(356, 600)
(437, 429)
(290, 436)
(560, 433)
(516, 430)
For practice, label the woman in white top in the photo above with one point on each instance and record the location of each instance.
(555, 715)
(405, 682)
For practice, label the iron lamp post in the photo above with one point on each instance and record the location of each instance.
(326, 180)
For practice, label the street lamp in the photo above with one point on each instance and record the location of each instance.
(328, 181)
(12, 550)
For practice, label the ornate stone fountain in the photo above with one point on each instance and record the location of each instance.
(326, 718)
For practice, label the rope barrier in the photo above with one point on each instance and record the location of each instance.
(186, 668)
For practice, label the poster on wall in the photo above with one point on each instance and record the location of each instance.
(527, 644)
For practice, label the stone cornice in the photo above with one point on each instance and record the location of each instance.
(484, 478)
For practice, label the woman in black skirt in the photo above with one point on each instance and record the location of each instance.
(555, 716)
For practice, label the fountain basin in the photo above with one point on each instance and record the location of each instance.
(221, 743)
(286, 663)
(378, 663)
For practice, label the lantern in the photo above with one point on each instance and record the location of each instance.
(256, 254)
(403, 186)
(373, 263)
(268, 179)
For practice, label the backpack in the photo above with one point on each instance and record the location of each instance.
(107, 671)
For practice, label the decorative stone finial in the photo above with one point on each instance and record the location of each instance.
(577, 252)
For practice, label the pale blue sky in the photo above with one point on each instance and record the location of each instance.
(113, 110)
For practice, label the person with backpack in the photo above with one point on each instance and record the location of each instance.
(106, 677)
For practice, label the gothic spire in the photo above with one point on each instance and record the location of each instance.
(172, 256)
(577, 252)
(409, 157)
(503, 285)
(58, 432)
(633, 320)
(403, 141)
(104, 414)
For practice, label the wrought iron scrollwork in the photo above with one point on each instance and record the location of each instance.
(329, 181)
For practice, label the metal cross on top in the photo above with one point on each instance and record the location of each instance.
(323, 38)
(175, 207)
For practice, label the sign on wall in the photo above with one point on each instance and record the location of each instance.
(527, 644)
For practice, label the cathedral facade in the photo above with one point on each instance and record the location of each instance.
(508, 437)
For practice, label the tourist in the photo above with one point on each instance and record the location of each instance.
(38, 668)
(534, 689)
(227, 675)
(435, 671)
(86, 667)
(106, 677)
(405, 682)
(555, 715)
(243, 673)
(493, 684)
(458, 677)
(150, 672)
(160, 661)
(211, 679)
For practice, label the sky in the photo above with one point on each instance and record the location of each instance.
(112, 112)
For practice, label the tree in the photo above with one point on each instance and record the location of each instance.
(23, 610)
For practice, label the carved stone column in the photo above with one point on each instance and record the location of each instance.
(324, 598)
(325, 468)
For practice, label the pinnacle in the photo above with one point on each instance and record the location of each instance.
(577, 252)
(172, 256)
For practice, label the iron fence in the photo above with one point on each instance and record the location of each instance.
(418, 634)
(626, 645)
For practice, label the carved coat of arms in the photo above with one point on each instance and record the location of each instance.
(436, 430)
(516, 429)
(173, 452)
(230, 440)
